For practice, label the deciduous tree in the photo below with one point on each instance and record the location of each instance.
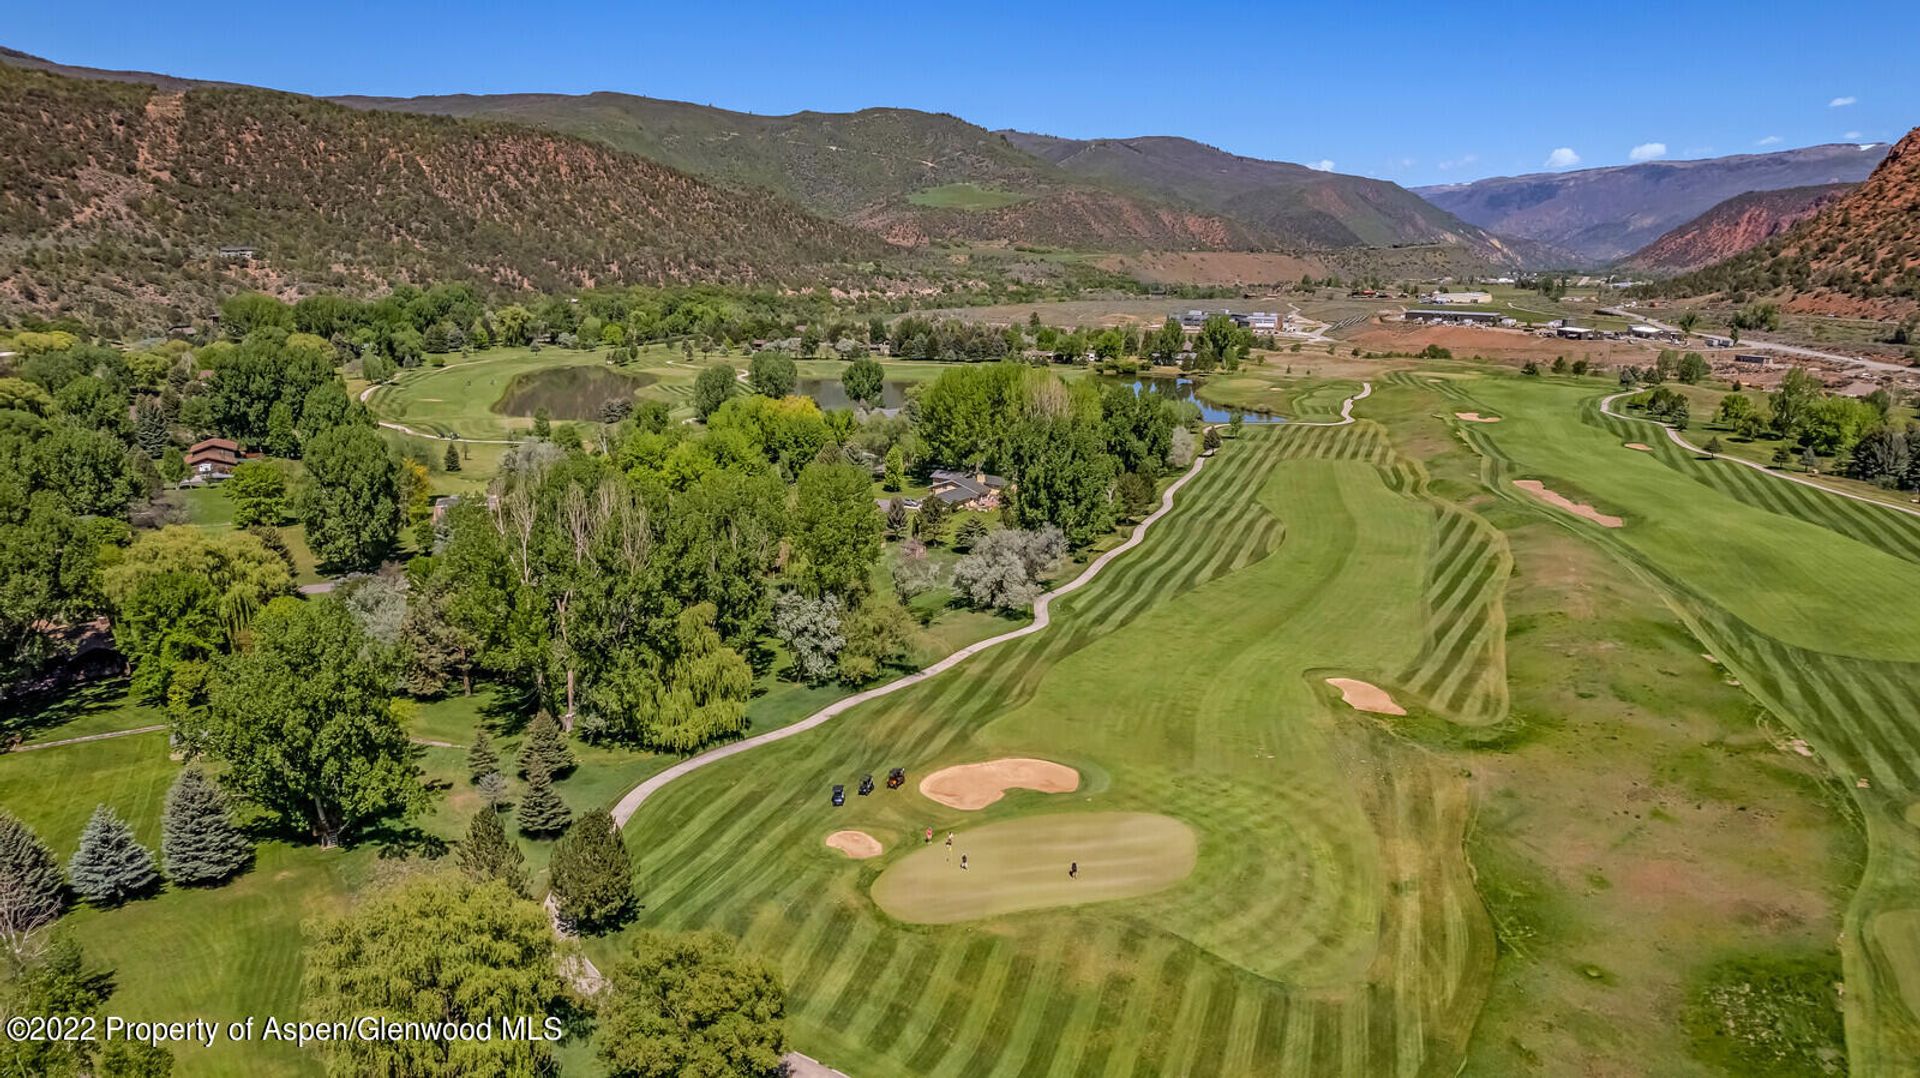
(352, 506)
(863, 380)
(306, 723)
(691, 1004)
(435, 949)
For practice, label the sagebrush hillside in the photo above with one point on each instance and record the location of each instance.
(120, 195)
(1739, 223)
(870, 168)
(1858, 256)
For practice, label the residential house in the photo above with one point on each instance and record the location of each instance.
(964, 490)
(211, 461)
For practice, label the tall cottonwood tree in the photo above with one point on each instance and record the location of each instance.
(306, 724)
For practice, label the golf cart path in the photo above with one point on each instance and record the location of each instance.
(154, 728)
(110, 734)
(1042, 617)
(1673, 435)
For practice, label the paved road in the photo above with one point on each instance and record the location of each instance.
(1673, 435)
(1788, 349)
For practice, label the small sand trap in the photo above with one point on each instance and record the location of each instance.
(1641, 446)
(1476, 417)
(1560, 501)
(975, 786)
(855, 844)
(1361, 696)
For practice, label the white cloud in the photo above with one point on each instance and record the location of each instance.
(1322, 165)
(1841, 102)
(1462, 161)
(1851, 136)
(1647, 151)
(1770, 140)
(1564, 157)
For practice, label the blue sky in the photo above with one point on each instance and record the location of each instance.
(1417, 93)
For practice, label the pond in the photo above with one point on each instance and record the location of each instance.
(1182, 389)
(829, 394)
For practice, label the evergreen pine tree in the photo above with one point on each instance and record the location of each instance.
(198, 840)
(592, 881)
(452, 460)
(541, 810)
(32, 894)
(488, 854)
(493, 788)
(546, 744)
(111, 866)
(482, 758)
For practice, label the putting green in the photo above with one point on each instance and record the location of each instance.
(1022, 865)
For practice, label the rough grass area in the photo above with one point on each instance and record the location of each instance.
(1770, 1018)
(569, 392)
(965, 196)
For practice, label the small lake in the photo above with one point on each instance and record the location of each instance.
(829, 394)
(1182, 389)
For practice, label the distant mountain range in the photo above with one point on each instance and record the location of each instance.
(1603, 215)
(1858, 255)
(1739, 223)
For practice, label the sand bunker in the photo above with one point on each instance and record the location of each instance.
(855, 844)
(1476, 417)
(1561, 501)
(1641, 446)
(1361, 696)
(975, 786)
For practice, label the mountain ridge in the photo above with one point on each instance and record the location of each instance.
(1605, 214)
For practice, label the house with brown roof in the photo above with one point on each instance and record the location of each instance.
(211, 460)
(963, 490)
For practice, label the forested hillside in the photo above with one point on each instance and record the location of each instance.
(120, 196)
